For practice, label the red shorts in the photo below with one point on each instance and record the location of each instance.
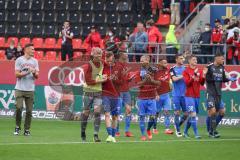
(157, 4)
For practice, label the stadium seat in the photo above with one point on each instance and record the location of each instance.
(49, 5)
(102, 30)
(15, 39)
(2, 16)
(123, 6)
(87, 17)
(37, 16)
(2, 29)
(99, 18)
(61, 17)
(86, 5)
(125, 19)
(49, 30)
(36, 5)
(37, 30)
(12, 16)
(37, 42)
(2, 4)
(39, 55)
(2, 42)
(76, 30)
(24, 30)
(73, 5)
(123, 30)
(164, 20)
(116, 30)
(49, 17)
(74, 17)
(59, 43)
(51, 56)
(86, 30)
(2, 55)
(61, 5)
(112, 18)
(138, 18)
(12, 5)
(50, 43)
(99, 5)
(24, 5)
(23, 41)
(12, 30)
(77, 55)
(76, 42)
(24, 16)
(111, 5)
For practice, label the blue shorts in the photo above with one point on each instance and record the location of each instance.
(215, 101)
(111, 104)
(192, 104)
(125, 98)
(164, 103)
(146, 107)
(179, 103)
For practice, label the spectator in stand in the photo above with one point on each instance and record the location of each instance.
(11, 51)
(216, 38)
(175, 12)
(67, 36)
(111, 42)
(205, 40)
(233, 26)
(172, 45)
(19, 50)
(140, 42)
(233, 55)
(184, 9)
(156, 5)
(195, 40)
(154, 36)
(93, 40)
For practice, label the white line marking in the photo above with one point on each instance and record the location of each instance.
(79, 142)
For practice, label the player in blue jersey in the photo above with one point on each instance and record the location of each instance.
(178, 93)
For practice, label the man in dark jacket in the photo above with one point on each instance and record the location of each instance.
(205, 40)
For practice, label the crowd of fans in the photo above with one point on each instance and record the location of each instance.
(146, 37)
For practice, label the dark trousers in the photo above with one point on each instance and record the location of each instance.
(28, 97)
(173, 51)
(66, 50)
(184, 9)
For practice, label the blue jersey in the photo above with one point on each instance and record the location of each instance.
(179, 86)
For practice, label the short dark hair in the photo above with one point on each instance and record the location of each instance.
(178, 55)
(28, 45)
(109, 54)
(162, 58)
(191, 56)
(67, 21)
(218, 55)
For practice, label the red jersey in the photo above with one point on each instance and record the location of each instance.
(192, 86)
(163, 75)
(217, 34)
(111, 87)
(124, 87)
(93, 40)
(234, 49)
(146, 91)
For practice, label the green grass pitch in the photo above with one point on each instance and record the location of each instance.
(60, 140)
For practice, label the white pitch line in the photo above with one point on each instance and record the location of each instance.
(78, 142)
